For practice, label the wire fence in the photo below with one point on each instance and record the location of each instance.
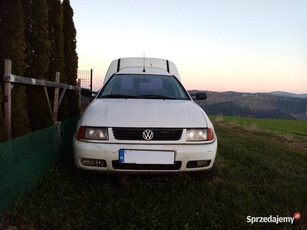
(88, 81)
(85, 77)
(85, 80)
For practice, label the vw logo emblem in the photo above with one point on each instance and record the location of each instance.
(148, 134)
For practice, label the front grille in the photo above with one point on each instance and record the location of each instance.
(175, 166)
(159, 134)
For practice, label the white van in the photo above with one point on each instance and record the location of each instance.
(143, 120)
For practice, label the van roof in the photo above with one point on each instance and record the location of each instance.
(136, 65)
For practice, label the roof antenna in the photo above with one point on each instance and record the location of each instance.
(144, 70)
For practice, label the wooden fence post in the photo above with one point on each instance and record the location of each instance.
(8, 99)
(79, 84)
(56, 99)
(48, 101)
(91, 85)
(10, 79)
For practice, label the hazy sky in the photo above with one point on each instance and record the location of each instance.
(242, 45)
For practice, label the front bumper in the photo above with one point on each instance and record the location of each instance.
(186, 156)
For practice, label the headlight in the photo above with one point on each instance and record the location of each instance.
(200, 134)
(92, 133)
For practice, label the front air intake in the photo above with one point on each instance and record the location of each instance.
(159, 134)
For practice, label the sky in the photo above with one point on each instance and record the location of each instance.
(229, 45)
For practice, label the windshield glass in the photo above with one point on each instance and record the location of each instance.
(143, 86)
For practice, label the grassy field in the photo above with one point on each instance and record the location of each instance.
(255, 174)
(293, 128)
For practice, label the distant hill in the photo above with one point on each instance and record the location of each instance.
(286, 94)
(275, 105)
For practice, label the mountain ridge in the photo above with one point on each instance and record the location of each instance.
(280, 105)
(287, 94)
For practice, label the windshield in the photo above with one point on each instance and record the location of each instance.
(143, 86)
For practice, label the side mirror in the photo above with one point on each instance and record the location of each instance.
(199, 96)
(88, 93)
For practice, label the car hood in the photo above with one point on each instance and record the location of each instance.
(143, 113)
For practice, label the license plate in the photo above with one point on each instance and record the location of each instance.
(146, 157)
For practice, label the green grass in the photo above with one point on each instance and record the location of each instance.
(295, 128)
(255, 174)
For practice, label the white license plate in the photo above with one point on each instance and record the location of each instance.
(146, 157)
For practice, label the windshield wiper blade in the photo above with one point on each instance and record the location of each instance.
(153, 96)
(118, 96)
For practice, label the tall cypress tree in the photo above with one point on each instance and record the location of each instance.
(3, 24)
(71, 56)
(56, 37)
(38, 60)
(57, 60)
(2, 126)
(13, 46)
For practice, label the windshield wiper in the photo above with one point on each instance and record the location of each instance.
(153, 96)
(118, 96)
